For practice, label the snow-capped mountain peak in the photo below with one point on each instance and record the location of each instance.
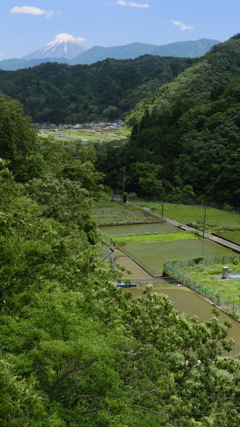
(64, 45)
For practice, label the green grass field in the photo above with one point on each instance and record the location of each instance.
(216, 219)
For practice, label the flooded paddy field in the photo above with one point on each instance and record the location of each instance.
(135, 273)
(144, 260)
(152, 255)
(162, 227)
(133, 270)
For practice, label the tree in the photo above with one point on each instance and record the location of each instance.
(18, 141)
(21, 403)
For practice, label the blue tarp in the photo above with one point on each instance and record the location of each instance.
(126, 286)
(234, 276)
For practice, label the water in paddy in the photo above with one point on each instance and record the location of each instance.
(152, 255)
(186, 301)
(120, 230)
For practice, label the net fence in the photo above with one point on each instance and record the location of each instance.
(228, 303)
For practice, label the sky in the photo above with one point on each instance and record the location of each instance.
(28, 25)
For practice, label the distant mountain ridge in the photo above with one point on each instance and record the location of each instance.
(187, 49)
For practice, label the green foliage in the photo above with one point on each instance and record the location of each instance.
(21, 403)
(59, 93)
(124, 197)
(18, 141)
(190, 128)
(75, 349)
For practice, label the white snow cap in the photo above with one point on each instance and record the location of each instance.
(66, 38)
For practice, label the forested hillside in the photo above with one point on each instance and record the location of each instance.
(185, 141)
(75, 350)
(59, 93)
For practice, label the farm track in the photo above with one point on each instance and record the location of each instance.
(227, 244)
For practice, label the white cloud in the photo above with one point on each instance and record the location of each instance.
(31, 10)
(182, 26)
(133, 4)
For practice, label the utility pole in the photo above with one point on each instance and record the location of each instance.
(123, 184)
(204, 220)
(162, 207)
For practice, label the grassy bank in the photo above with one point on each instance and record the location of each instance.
(216, 219)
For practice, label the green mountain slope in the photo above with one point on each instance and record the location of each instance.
(215, 69)
(191, 128)
(106, 90)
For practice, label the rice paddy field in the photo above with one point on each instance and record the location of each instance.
(105, 135)
(144, 249)
(140, 229)
(106, 212)
(146, 238)
(152, 255)
(216, 219)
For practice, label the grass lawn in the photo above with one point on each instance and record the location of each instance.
(216, 219)
(152, 255)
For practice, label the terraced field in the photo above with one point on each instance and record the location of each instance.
(142, 260)
(106, 212)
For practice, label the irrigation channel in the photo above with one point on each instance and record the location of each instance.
(184, 300)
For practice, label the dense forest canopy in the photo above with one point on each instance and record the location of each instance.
(185, 140)
(59, 93)
(76, 350)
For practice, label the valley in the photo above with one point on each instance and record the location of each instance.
(119, 214)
